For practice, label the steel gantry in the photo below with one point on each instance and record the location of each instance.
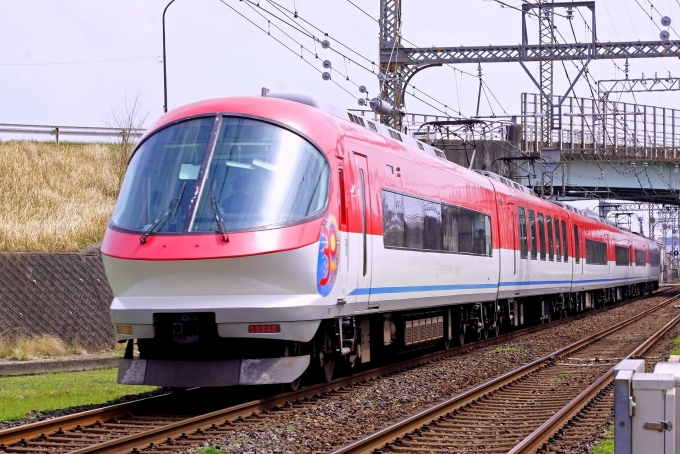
(606, 87)
(399, 64)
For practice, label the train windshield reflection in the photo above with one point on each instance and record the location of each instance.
(257, 175)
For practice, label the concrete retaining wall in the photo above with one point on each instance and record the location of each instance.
(66, 295)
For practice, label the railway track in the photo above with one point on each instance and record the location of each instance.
(520, 411)
(151, 425)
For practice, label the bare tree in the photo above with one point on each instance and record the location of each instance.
(128, 119)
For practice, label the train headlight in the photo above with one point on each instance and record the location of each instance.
(124, 329)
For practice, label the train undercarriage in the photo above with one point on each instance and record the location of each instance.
(341, 344)
(349, 341)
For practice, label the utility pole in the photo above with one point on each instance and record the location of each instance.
(546, 32)
(391, 71)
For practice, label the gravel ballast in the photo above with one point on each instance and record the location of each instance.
(329, 422)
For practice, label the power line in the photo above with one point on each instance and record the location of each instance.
(80, 62)
(311, 35)
(284, 45)
(303, 48)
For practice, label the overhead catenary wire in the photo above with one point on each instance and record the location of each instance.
(309, 34)
(82, 62)
(403, 38)
(305, 49)
(283, 44)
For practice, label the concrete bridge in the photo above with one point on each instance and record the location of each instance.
(606, 149)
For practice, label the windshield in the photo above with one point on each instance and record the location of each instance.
(255, 176)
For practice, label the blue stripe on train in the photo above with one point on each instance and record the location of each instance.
(438, 288)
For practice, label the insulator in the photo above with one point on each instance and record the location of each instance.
(326, 76)
(362, 101)
(665, 21)
(664, 36)
(362, 89)
(327, 64)
(325, 44)
(381, 106)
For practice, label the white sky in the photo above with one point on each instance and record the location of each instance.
(213, 52)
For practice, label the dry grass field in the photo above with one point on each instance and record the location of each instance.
(55, 198)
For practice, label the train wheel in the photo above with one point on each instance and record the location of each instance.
(327, 369)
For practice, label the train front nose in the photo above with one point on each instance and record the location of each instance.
(212, 250)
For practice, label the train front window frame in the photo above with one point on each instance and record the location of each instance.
(283, 178)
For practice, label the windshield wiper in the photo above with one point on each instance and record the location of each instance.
(172, 208)
(218, 219)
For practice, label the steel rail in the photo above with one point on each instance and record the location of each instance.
(69, 422)
(381, 437)
(538, 437)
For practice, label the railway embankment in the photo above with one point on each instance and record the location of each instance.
(54, 205)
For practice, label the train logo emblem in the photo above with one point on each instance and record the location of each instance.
(327, 265)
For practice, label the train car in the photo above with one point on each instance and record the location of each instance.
(258, 238)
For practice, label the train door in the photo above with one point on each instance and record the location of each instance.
(343, 232)
(521, 249)
(361, 239)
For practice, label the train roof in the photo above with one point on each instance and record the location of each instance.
(404, 138)
(393, 134)
(374, 126)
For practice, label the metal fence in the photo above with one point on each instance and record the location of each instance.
(593, 129)
(58, 131)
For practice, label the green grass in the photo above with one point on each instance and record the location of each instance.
(563, 375)
(209, 450)
(21, 395)
(676, 343)
(504, 350)
(605, 446)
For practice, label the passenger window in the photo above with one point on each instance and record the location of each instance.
(343, 206)
(577, 246)
(541, 234)
(466, 231)
(393, 219)
(565, 244)
(596, 252)
(551, 253)
(363, 218)
(432, 226)
(413, 222)
(532, 226)
(523, 244)
(558, 247)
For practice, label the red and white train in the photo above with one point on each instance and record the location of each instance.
(256, 238)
